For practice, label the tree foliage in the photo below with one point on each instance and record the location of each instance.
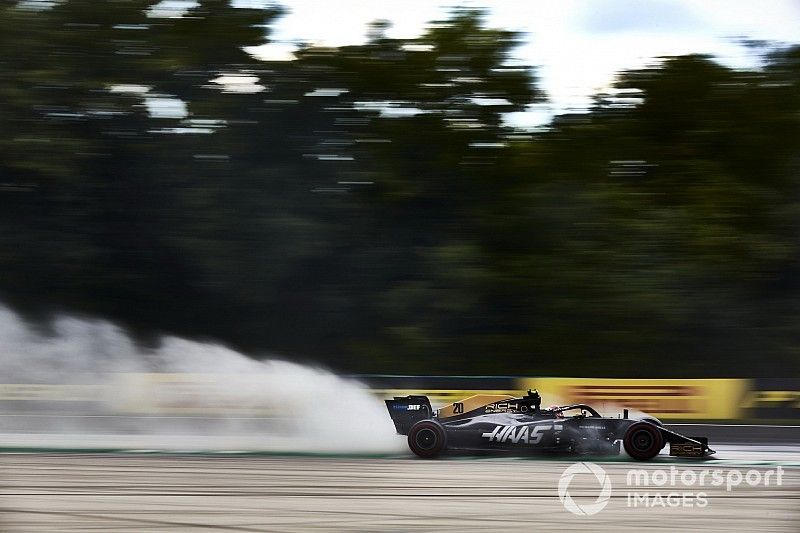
(367, 207)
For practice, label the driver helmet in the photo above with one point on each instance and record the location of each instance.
(556, 410)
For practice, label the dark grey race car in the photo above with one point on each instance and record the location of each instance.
(520, 426)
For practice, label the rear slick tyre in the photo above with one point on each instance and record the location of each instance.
(427, 439)
(643, 441)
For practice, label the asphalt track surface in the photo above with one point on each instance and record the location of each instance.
(57, 492)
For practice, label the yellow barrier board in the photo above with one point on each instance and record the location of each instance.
(688, 399)
(700, 399)
(197, 394)
(772, 399)
(52, 392)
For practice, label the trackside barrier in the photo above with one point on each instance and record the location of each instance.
(669, 399)
(685, 399)
(773, 399)
(204, 394)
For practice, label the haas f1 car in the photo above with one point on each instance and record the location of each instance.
(519, 426)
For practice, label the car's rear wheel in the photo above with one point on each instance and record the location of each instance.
(643, 441)
(427, 438)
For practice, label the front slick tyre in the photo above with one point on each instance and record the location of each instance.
(643, 441)
(427, 438)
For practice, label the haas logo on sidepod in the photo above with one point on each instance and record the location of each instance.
(517, 434)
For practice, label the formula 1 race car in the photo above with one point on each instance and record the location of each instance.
(520, 426)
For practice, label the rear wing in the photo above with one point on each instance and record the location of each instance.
(408, 410)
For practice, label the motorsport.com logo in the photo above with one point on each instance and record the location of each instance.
(657, 488)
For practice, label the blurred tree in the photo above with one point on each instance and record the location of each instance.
(421, 120)
(94, 100)
(670, 211)
(368, 207)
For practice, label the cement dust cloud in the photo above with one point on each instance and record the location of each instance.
(85, 382)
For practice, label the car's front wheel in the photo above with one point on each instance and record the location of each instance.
(643, 441)
(427, 438)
